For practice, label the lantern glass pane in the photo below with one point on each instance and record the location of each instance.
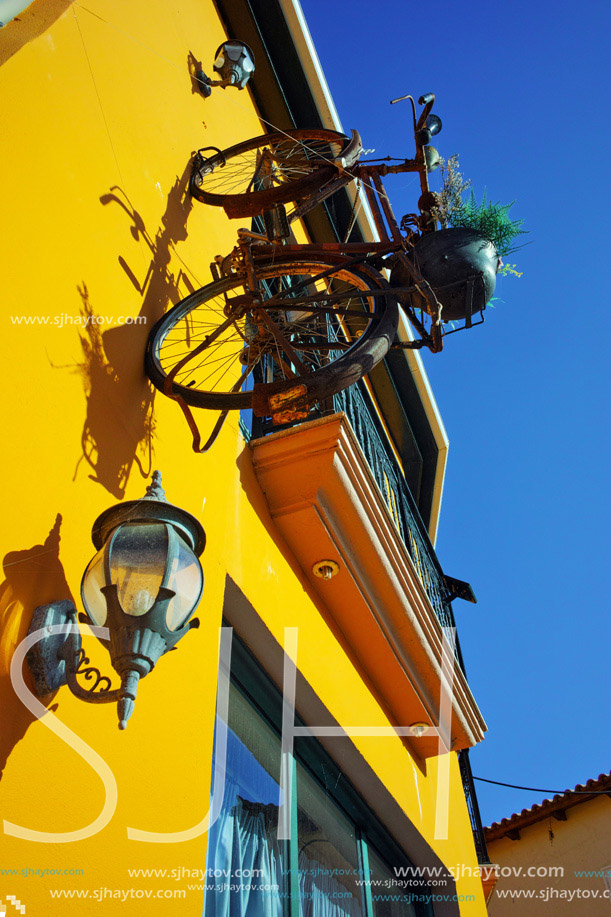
(91, 594)
(138, 556)
(233, 50)
(186, 579)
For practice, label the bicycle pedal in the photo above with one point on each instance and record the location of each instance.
(276, 223)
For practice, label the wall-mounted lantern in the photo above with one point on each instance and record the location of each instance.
(142, 586)
(235, 64)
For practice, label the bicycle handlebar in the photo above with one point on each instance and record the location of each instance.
(419, 124)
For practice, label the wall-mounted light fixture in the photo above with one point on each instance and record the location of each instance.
(325, 569)
(141, 588)
(235, 64)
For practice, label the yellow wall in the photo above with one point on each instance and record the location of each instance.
(99, 122)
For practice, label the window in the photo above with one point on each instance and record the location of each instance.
(337, 847)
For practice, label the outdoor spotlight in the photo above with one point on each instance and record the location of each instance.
(325, 569)
(235, 64)
(431, 158)
(434, 124)
(140, 590)
(425, 127)
(418, 729)
(431, 127)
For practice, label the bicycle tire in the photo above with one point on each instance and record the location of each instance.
(303, 163)
(362, 329)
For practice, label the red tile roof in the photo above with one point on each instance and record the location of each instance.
(560, 802)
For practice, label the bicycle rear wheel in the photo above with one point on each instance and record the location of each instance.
(319, 326)
(277, 168)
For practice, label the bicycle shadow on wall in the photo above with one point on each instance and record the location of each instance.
(34, 576)
(119, 424)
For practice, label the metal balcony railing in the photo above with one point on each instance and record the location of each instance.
(473, 807)
(360, 413)
(393, 486)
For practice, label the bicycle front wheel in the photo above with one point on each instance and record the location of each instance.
(317, 325)
(277, 168)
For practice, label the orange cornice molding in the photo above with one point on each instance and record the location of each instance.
(325, 502)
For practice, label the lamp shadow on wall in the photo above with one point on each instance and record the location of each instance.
(194, 65)
(33, 577)
(119, 423)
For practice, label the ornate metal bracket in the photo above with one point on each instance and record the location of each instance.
(58, 657)
(102, 696)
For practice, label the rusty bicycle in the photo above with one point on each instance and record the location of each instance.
(284, 325)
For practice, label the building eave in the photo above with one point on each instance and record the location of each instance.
(329, 116)
(510, 827)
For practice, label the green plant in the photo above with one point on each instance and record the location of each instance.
(491, 220)
(508, 269)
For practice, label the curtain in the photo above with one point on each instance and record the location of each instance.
(244, 862)
(321, 894)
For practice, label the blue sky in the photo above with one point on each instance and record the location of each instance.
(521, 92)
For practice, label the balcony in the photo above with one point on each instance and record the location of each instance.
(357, 407)
(335, 492)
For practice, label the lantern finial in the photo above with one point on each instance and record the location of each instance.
(155, 491)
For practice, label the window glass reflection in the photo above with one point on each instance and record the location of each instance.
(391, 901)
(244, 861)
(328, 854)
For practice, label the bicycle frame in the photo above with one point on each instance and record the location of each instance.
(255, 248)
(348, 169)
(258, 258)
(392, 240)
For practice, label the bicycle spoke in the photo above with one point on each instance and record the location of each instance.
(190, 370)
(310, 315)
(290, 160)
(281, 339)
(288, 372)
